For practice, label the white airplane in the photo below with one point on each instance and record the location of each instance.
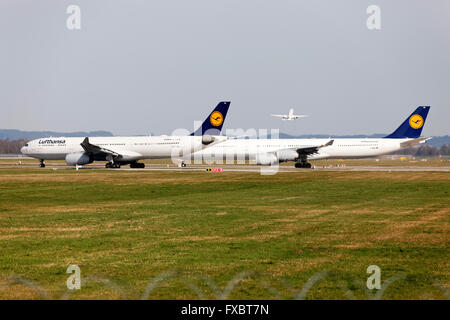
(273, 151)
(119, 151)
(290, 116)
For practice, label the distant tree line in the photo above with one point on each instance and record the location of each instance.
(11, 146)
(426, 151)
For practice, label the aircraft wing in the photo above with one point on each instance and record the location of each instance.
(279, 115)
(311, 150)
(93, 149)
(297, 116)
(122, 155)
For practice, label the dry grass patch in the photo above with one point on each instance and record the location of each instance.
(399, 231)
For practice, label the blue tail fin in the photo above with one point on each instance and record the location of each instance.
(213, 124)
(412, 126)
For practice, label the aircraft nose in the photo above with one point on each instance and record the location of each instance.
(23, 150)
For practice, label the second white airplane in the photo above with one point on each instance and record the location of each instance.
(273, 151)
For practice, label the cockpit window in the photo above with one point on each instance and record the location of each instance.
(26, 145)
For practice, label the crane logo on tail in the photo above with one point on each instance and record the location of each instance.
(216, 118)
(416, 121)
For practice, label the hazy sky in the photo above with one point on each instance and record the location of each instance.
(137, 67)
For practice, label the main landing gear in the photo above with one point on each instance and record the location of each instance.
(302, 162)
(303, 165)
(115, 165)
(42, 163)
(137, 165)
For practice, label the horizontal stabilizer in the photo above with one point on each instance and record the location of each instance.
(414, 142)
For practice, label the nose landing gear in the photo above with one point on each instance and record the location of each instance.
(41, 163)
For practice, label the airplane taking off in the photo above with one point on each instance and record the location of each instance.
(128, 150)
(289, 117)
(273, 151)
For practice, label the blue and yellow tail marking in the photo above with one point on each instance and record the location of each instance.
(412, 126)
(214, 122)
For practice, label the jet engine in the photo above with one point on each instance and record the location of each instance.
(287, 155)
(207, 139)
(266, 159)
(78, 158)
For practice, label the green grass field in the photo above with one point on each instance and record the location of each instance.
(191, 235)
